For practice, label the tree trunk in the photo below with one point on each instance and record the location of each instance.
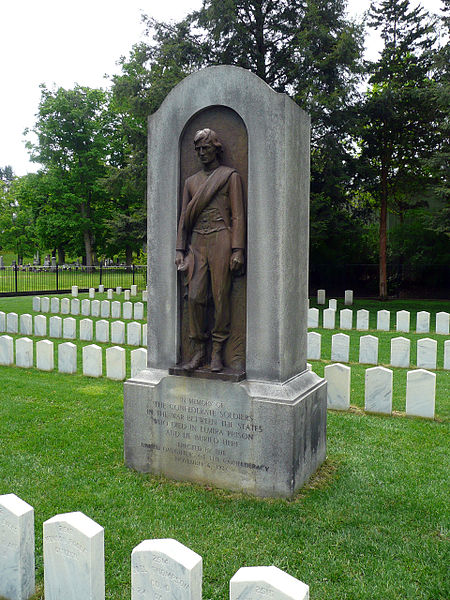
(61, 256)
(128, 256)
(87, 235)
(383, 237)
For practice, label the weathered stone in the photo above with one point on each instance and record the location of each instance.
(102, 331)
(36, 304)
(447, 355)
(165, 569)
(26, 324)
(400, 352)
(118, 290)
(95, 308)
(109, 294)
(24, 354)
(313, 317)
(118, 332)
(91, 293)
(368, 350)
(403, 320)
(86, 307)
(40, 325)
(340, 347)
(126, 294)
(426, 353)
(442, 322)
(338, 386)
(423, 322)
(69, 328)
(144, 296)
(138, 311)
(17, 581)
(127, 310)
(75, 306)
(378, 390)
(346, 318)
(55, 327)
(332, 303)
(75, 291)
(74, 563)
(105, 308)
(67, 358)
(115, 363)
(362, 319)
(144, 334)
(2, 321)
(6, 350)
(86, 330)
(115, 309)
(44, 355)
(329, 318)
(133, 290)
(45, 304)
(348, 297)
(383, 320)
(134, 333)
(54, 305)
(138, 361)
(266, 582)
(92, 361)
(314, 343)
(320, 296)
(101, 289)
(65, 306)
(12, 323)
(420, 393)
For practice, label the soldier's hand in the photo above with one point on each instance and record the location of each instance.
(179, 261)
(237, 260)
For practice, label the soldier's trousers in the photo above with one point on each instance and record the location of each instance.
(212, 253)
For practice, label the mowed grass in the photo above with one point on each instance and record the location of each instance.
(372, 523)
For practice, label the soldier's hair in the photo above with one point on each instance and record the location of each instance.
(208, 136)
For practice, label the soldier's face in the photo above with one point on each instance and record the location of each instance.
(206, 152)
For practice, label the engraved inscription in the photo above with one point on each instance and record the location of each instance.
(64, 543)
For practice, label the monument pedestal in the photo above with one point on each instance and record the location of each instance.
(261, 438)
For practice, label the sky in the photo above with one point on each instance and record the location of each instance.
(64, 42)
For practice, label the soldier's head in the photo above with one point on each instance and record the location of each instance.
(207, 145)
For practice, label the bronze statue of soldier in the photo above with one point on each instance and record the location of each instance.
(210, 247)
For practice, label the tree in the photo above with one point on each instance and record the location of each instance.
(73, 131)
(399, 118)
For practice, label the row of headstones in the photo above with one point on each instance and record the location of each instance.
(348, 297)
(116, 367)
(403, 318)
(67, 328)
(93, 308)
(420, 390)
(74, 563)
(101, 290)
(368, 350)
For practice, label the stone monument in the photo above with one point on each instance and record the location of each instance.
(246, 414)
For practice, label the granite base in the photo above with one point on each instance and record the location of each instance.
(261, 438)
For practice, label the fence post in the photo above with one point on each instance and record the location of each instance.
(57, 278)
(16, 267)
(101, 271)
(133, 273)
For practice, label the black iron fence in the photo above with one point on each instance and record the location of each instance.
(23, 280)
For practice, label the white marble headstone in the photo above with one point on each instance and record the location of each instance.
(105, 308)
(378, 390)
(115, 309)
(329, 318)
(118, 332)
(65, 306)
(17, 579)
(55, 327)
(314, 343)
(332, 303)
(348, 297)
(144, 295)
(36, 304)
(101, 289)
(26, 324)
(340, 347)
(92, 361)
(426, 353)
(12, 322)
(86, 307)
(447, 355)
(269, 583)
(346, 318)
(54, 305)
(95, 308)
(86, 330)
(362, 319)
(320, 296)
(116, 363)
(338, 386)
(45, 304)
(133, 290)
(368, 350)
(400, 352)
(2, 321)
(134, 331)
(138, 360)
(166, 570)
(92, 293)
(40, 325)
(423, 322)
(109, 294)
(138, 311)
(118, 290)
(69, 328)
(403, 320)
(442, 322)
(127, 310)
(420, 393)
(126, 294)
(74, 290)
(67, 358)
(75, 306)
(24, 352)
(383, 320)
(313, 317)
(6, 350)
(102, 331)
(74, 563)
(44, 355)
(144, 334)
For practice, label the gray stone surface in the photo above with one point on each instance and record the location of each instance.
(118, 332)
(26, 324)
(423, 322)
(12, 322)
(338, 386)
(166, 570)
(346, 318)
(67, 358)
(92, 361)
(314, 344)
(24, 354)
(74, 562)
(138, 361)
(332, 303)
(69, 328)
(329, 318)
(340, 347)
(362, 319)
(40, 325)
(378, 390)
(420, 393)
(44, 355)
(226, 434)
(383, 320)
(368, 350)
(6, 350)
(271, 583)
(442, 322)
(17, 580)
(134, 332)
(320, 296)
(400, 352)
(86, 330)
(102, 331)
(313, 317)
(55, 327)
(65, 306)
(426, 353)
(403, 318)
(348, 297)
(115, 363)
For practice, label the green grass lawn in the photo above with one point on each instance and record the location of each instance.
(373, 523)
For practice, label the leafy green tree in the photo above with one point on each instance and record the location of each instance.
(399, 117)
(73, 131)
(17, 226)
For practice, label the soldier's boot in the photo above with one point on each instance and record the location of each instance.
(197, 359)
(216, 357)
